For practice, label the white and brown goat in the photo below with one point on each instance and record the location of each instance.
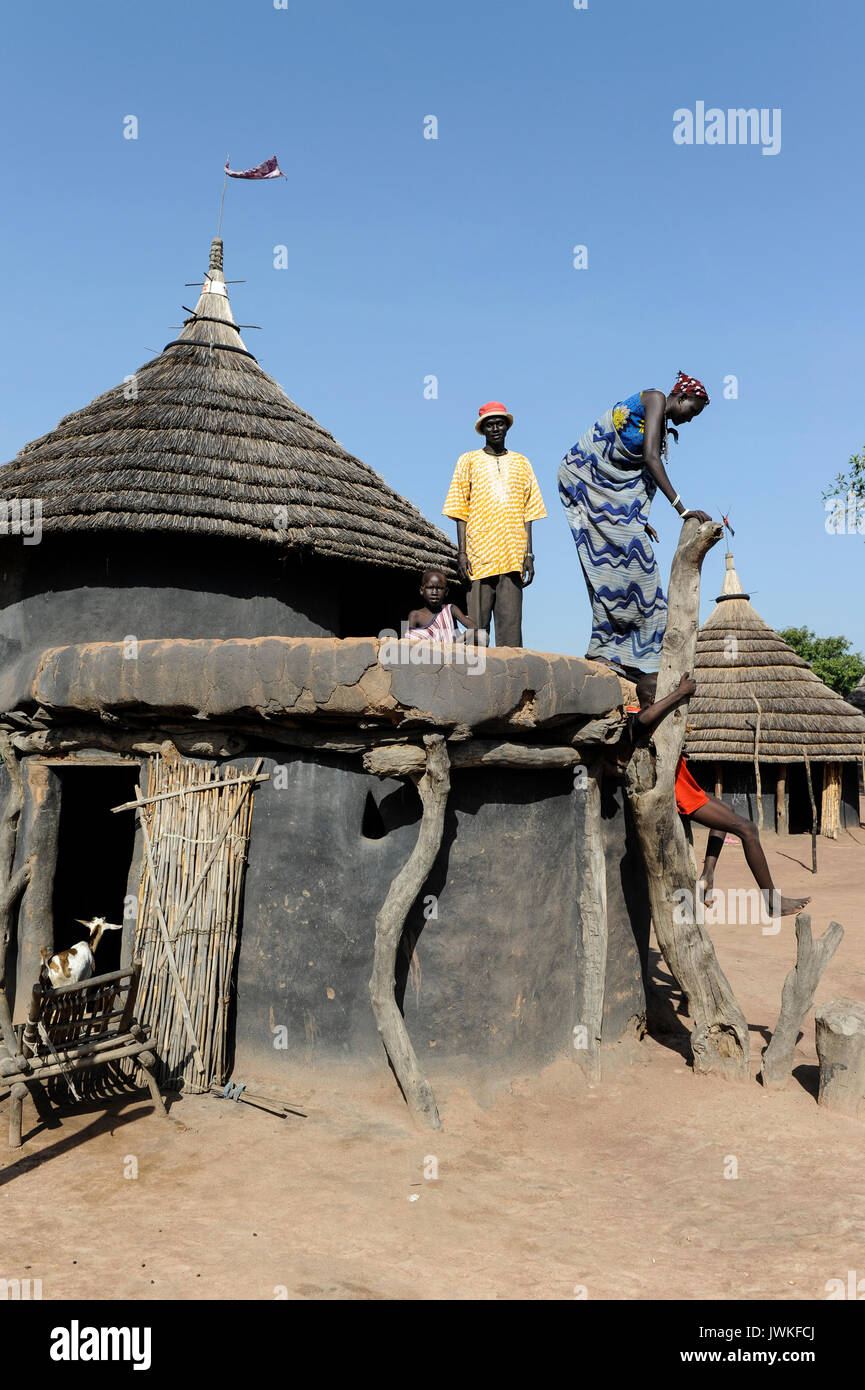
(77, 962)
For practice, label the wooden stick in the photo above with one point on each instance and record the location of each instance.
(169, 954)
(757, 762)
(813, 810)
(196, 787)
(433, 787)
(797, 996)
(719, 1041)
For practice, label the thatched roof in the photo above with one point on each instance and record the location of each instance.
(857, 696)
(202, 440)
(739, 658)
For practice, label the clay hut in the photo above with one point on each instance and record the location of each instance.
(196, 631)
(762, 722)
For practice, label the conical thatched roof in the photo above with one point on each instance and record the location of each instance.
(739, 658)
(202, 440)
(857, 696)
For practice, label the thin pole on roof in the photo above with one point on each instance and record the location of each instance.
(222, 199)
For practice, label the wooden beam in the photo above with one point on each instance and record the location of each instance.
(719, 1040)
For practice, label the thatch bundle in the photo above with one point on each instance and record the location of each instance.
(745, 672)
(202, 440)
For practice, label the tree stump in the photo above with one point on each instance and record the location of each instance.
(719, 1041)
(797, 996)
(840, 1029)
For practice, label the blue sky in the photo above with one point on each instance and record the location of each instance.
(411, 257)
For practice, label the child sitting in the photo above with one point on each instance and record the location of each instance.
(695, 804)
(437, 621)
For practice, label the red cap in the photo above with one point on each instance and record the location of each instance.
(493, 408)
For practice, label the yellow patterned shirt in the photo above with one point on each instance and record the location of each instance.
(495, 495)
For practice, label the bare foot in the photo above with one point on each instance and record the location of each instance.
(783, 907)
(706, 885)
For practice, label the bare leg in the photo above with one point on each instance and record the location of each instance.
(717, 816)
(707, 878)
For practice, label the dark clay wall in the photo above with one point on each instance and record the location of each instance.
(94, 587)
(492, 978)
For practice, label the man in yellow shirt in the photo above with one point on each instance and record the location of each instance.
(494, 498)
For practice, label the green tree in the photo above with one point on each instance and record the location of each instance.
(850, 482)
(830, 658)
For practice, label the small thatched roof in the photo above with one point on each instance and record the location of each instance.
(857, 696)
(739, 658)
(202, 440)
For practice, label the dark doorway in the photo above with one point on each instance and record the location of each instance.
(94, 855)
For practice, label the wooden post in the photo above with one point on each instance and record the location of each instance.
(830, 810)
(840, 1030)
(12, 885)
(35, 914)
(719, 781)
(781, 822)
(813, 811)
(757, 762)
(812, 957)
(593, 918)
(719, 1041)
(433, 785)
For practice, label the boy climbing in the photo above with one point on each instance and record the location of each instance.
(437, 621)
(695, 804)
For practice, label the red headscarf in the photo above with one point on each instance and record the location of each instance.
(690, 386)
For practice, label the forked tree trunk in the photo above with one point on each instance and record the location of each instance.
(797, 996)
(720, 1037)
(433, 786)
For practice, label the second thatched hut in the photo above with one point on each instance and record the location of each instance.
(762, 724)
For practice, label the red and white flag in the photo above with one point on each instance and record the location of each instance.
(268, 170)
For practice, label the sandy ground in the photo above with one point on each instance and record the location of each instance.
(551, 1189)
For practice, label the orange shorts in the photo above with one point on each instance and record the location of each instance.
(689, 794)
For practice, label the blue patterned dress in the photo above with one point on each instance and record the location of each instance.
(606, 494)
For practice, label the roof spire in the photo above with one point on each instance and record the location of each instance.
(731, 588)
(212, 319)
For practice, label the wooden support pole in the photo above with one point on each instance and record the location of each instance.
(719, 780)
(813, 810)
(589, 1016)
(840, 1030)
(797, 996)
(433, 786)
(830, 810)
(781, 822)
(757, 762)
(719, 1040)
(12, 885)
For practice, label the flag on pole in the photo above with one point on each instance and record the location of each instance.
(268, 170)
